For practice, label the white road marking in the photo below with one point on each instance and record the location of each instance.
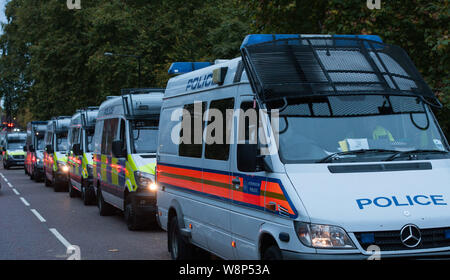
(16, 192)
(60, 238)
(10, 185)
(36, 213)
(24, 201)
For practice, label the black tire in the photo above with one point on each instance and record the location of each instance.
(48, 183)
(86, 196)
(72, 191)
(59, 187)
(104, 209)
(134, 222)
(179, 248)
(36, 177)
(31, 174)
(272, 253)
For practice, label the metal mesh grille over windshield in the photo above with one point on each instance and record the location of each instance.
(331, 66)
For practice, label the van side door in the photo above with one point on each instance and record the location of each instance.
(217, 175)
(118, 165)
(109, 133)
(248, 199)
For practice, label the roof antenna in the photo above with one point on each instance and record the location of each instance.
(326, 45)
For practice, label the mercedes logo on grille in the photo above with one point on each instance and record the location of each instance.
(410, 236)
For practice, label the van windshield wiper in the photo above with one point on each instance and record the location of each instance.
(356, 152)
(412, 152)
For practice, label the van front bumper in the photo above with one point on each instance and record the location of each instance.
(14, 162)
(289, 255)
(144, 203)
(39, 171)
(61, 177)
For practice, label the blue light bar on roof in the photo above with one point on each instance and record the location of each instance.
(185, 67)
(253, 39)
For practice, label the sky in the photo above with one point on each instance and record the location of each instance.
(2, 12)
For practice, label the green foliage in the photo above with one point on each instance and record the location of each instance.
(53, 58)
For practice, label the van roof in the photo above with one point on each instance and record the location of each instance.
(136, 105)
(16, 136)
(201, 79)
(90, 115)
(61, 124)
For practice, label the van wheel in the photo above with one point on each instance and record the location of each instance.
(103, 207)
(72, 191)
(87, 195)
(47, 181)
(179, 248)
(272, 253)
(56, 187)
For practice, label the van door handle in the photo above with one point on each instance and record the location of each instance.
(236, 182)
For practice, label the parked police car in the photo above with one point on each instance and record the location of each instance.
(126, 134)
(345, 157)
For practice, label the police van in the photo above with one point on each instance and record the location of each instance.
(56, 169)
(34, 160)
(329, 149)
(80, 157)
(13, 149)
(125, 155)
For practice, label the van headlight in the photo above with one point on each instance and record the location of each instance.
(145, 181)
(323, 236)
(63, 166)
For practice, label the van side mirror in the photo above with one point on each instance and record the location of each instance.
(49, 149)
(248, 158)
(77, 149)
(117, 149)
(25, 148)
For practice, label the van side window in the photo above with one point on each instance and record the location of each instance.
(169, 128)
(247, 130)
(97, 136)
(123, 135)
(218, 130)
(191, 134)
(109, 132)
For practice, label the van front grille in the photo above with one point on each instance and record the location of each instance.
(391, 241)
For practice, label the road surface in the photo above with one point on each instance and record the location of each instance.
(37, 223)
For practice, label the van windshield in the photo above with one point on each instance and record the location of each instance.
(89, 137)
(61, 142)
(145, 136)
(40, 143)
(16, 145)
(312, 129)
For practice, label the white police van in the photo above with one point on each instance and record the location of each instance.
(348, 159)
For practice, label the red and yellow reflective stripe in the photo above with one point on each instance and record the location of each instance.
(219, 185)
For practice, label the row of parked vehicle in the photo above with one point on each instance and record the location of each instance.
(311, 177)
